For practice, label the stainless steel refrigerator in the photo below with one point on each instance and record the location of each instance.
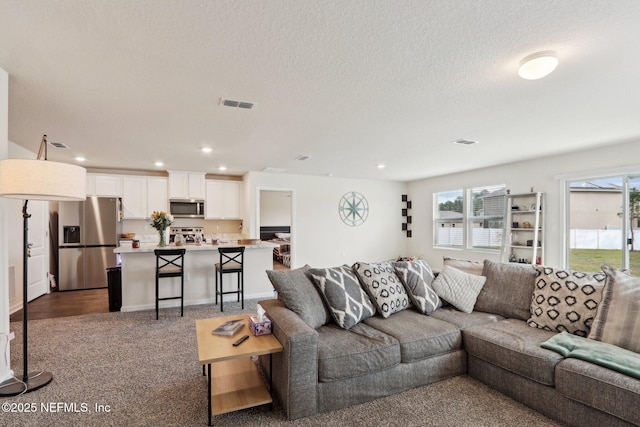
(87, 234)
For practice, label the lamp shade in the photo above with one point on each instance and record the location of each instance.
(42, 180)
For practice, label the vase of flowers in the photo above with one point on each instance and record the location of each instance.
(160, 220)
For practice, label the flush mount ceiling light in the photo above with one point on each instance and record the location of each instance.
(80, 159)
(463, 141)
(222, 168)
(159, 163)
(206, 149)
(380, 166)
(538, 65)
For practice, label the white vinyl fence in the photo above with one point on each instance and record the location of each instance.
(485, 237)
(600, 239)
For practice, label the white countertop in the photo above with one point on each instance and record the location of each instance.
(150, 247)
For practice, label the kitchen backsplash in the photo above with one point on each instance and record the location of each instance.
(227, 228)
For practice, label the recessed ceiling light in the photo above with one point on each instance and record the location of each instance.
(463, 141)
(159, 164)
(303, 157)
(538, 65)
(222, 168)
(380, 166)
(80, 159)
(206, 149)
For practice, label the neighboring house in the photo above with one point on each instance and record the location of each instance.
(595, 206)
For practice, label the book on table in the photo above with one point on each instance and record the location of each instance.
(229, 327)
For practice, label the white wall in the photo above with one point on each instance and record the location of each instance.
(15, 231)
(519, 178)
(4, 257)
(275, 208)
(320, 238)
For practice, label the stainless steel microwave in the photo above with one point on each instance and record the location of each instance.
(186, 208)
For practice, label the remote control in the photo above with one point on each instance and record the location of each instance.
(241, 340)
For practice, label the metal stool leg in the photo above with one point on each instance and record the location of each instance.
(157, 280)
(221, 291)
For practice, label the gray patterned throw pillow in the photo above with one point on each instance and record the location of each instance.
(565, 300)
(417, 276)
(347, 302)
(380, 282)
(458, 288)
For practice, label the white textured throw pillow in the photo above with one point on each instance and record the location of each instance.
(458, 288)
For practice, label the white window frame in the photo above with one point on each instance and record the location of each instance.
(564, 181)
(466, 219)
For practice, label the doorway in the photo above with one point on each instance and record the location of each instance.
(275, 222)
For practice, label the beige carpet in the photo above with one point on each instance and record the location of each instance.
(146, 372)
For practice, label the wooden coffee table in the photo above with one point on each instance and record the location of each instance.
(235, 383)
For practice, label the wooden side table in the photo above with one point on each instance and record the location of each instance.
(236, 383)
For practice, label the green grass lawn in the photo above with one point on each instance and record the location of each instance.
(592, 259)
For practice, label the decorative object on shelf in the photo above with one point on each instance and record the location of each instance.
(353, 209)
(523, 237)
(160, 220)
(39, 179)
(405, 213)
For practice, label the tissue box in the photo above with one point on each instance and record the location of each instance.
(259, 327)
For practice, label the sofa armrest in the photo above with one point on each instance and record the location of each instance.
(295, 370)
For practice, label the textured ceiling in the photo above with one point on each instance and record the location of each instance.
(349, 83)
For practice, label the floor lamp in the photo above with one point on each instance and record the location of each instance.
(28, 179)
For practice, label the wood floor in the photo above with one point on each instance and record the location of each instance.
(75, 303)
(69, 303)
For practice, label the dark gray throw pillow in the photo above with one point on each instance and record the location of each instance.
(347, 301)
(507, 291)
(417, 276)
(296, 290)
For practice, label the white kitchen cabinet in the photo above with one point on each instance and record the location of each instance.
(157, 195)
(134, 197)
(104, 185)
(186, 185)
(143, 195)
(222, 199)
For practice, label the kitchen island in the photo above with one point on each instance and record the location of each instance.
(139, 266)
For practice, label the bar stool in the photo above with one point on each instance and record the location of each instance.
(170, 263)
(231, 261)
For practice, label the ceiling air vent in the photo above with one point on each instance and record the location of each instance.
(237, 104)
(59, 145)
(465, 141)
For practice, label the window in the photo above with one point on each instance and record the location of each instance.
(604, 228)
(480, 226)
(486, 217)
(448, 213)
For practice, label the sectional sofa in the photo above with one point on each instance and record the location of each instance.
(353, 334)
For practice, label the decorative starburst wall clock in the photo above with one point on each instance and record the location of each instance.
(353, 209)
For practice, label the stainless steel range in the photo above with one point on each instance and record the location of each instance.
(188, 233)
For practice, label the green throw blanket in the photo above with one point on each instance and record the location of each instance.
(600, 353)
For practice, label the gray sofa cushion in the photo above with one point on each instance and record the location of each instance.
(417, 276)
(420, 336)
(507, 291)
(296, 290)
(347, 301)
(601, 388)
(617, 321)
(465, 320)
(380, 282)
(514, 346)
(357, 351)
